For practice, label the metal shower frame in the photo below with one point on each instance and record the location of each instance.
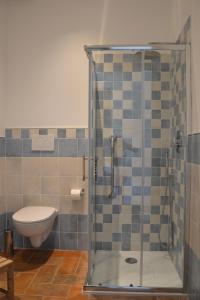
(144, 290)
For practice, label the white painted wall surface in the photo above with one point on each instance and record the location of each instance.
(3, 49)
(47, 71)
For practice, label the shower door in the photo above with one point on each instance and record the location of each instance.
(136, 177)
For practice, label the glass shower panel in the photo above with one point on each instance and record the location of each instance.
(91, 163)
(156, 116)
(137, 167)
(164, 169)
(178, 158)
(118, 184)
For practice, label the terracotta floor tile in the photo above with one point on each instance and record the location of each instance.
(54, 298)
(69, 265)
(56, 290)
(26, 267)
(23, 255)
(35, 270)
(71, 254)
(81, 296)
(54, 260)
(22, 281)
(69, 279)
(84, 256)
(41, 257)
(64, 253)
(82, 270)
(83, 264)
(43, 253)
(75, 291)
(29, 298)
(46, 274)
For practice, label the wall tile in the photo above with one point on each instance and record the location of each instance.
(43, 178)
(67, 183)
(83, 242)
(27, 149)
(54, 153)
(68, 241)
(31, 166)
(70, 166)
(51, 200)
(25, 134)
(31, 185)
(82, 223)
(50, 185)
(68, 147)
(82, 147)
(2, 147)
(32, 200)
(13, 202)
(49, 166)
(13, 147)
(13, 166)
(13, 184)
(68, 223)
(52, 242)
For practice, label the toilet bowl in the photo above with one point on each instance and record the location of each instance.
(35, 222)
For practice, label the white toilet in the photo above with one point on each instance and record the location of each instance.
(35, 222)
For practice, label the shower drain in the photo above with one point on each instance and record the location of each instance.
(131, 260)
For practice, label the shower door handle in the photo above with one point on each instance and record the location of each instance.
(112, 184)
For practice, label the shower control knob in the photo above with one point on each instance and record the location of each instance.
(95, 170)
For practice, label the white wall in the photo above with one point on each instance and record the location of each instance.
(182, 9)
(47, 72)
(3, 48)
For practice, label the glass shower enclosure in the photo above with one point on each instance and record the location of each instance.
(137, 167)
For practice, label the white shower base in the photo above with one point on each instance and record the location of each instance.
(110, 268)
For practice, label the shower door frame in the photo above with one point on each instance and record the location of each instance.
(94, 289)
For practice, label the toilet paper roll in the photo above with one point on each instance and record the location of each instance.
(76, 193)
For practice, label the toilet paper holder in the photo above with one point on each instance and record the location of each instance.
(84, 158)
(77, 193)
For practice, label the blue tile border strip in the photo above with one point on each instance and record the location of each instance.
(23, 133)
(193, 148)
(69, 142)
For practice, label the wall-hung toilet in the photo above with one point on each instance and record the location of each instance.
(35, 222)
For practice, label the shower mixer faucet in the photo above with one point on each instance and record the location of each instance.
(179, 142)
(112, 139)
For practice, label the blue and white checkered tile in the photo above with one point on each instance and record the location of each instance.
(71, 142)
(119, 112)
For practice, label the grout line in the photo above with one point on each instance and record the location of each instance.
(78, 262)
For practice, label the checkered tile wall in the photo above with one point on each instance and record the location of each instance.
(128, 103)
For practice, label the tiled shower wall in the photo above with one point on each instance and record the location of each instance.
(45, 178)
(178, 158)
(119, 107)
(193, 165)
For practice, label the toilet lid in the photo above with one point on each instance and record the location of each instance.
(31, 214)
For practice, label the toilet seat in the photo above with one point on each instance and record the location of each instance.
(33, 214)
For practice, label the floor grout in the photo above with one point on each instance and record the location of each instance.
(69, 285)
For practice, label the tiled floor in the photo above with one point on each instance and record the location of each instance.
(54, 275)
